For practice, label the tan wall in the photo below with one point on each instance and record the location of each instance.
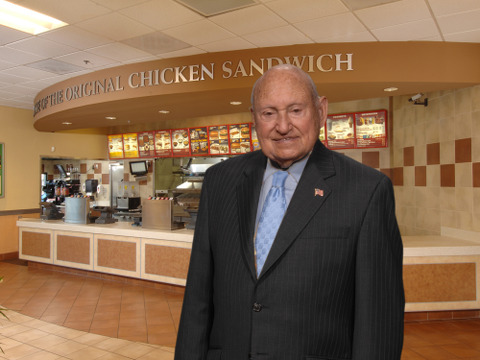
(436, 162)
(24, 146)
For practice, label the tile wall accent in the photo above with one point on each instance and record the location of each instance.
(435, 157)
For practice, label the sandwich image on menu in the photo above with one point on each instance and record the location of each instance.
(218, 139)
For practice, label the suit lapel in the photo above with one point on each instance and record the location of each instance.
(305, 202)
(248, 192)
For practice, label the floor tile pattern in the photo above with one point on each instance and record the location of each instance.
(63, 316)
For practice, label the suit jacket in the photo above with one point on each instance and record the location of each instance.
(331, 287)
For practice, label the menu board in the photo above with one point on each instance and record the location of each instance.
(255, 142)
(218, 138)
(146, 147)
(163, 143)
(240, 138)
(371, 129)
(199, 141)
(340, 131)
(180, 142)
(130, 145)
(115, 146)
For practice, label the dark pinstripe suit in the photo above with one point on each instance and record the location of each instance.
(331, 287)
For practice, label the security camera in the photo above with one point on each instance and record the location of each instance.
(415, 97)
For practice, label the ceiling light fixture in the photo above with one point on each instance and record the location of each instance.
(164, 111)
(66, 123)
(26, 20)
(110, 118)
(235, 103)
(390, 89)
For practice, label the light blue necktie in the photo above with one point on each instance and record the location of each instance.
(270, 219)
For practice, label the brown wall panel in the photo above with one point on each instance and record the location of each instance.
(73, 248)
(117, 254)
(167, 261)
(36, 244)
(439, 282)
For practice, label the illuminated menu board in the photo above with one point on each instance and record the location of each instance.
(163, 143)
(218, 139)
(180, 142)
(130, 145)
(115, 146)
(146, 145)
(199, 141)
(371, 128)
(340, 131)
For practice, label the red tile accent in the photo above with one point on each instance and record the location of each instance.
(97, 168)
(420, 176)
(105, 179)
(371, 158)
(83, 168)
(398, 176)
(447, 175)
(408, 156)
(433, 154)
(388, 172)
(476, 174)
(90, 176)
(463, 150)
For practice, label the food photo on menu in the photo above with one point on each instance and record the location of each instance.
(371, 129)
(340, 131)
(180, 142)
(199, 141)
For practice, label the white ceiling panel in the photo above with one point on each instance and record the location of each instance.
(109, 33)
(119, 52)
(460, 22)
(302, 10)
(331, 27)
(227, 45)
(161, 15)
(249, 20)
(69, 11)
(115, 26)
(41, 47)
(286, 35)
(405, 11)
(76, 37)
(17, 57)
(416, 30)
(8, 35)
(199, 32)
(446, 7)
(87, 60)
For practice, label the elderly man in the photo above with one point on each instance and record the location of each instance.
(297, 253)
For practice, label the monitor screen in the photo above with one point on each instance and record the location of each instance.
(138, 168)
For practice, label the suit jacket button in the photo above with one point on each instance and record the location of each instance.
(257, 307)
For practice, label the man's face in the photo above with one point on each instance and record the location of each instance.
(286, 118)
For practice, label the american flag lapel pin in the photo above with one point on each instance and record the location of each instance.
(318, 192)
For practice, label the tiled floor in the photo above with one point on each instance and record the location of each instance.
(61, 316)
(96, 309)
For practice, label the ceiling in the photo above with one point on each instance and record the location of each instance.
(107, 33)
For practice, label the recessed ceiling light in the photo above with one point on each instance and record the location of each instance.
(164, 111)
(390, 89)
(110, 118)
(66, 123)
(26, 20)
(235, 103)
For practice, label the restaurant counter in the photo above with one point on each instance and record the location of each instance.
(441, 273)
(118, 248)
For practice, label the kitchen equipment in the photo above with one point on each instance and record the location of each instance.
(158, 214)
(77, 210)
(50, 211)
(128, 203)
